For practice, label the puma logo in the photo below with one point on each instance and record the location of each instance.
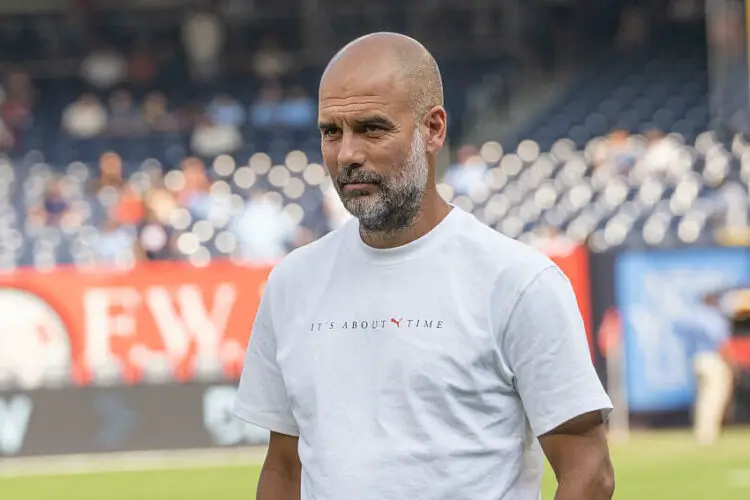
(397, 322)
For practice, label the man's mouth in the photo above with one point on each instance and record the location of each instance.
(358, 186)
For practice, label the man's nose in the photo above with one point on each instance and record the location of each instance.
(351, 152)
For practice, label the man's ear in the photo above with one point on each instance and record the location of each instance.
(436, 123)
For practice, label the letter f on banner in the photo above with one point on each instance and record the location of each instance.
(15, 414)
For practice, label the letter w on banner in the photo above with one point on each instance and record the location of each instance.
(184, 320)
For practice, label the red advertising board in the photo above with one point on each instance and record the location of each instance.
(171, 312)
(575, 265)
(168, 312)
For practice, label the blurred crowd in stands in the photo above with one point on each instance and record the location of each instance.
(255, 212)
(147, 135)
(214, 130)
(189, 138)
(145, 153)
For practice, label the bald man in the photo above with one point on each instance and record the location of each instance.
(414, 353)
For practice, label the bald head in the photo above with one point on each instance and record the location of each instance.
(396, 55)
(382, 126)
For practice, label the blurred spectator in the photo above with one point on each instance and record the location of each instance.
(141, 67)
(129, 209)
(114, 244)
(7, 138)
(271, 61)
(661, 152)
(85, 118)
(104, 68)
(736, 350)
(617, 151)
(195, 194)
(110, 172)
(155, 240)
(224, 110)
(264, 113)
(264, 231)
(16, 108)
(468, 172)
(54, 205)
(297, 110)
(210, 139)
(706, 330)
(730, 203)
(203, 36)
(161, 204)
(156, 116)
(124, 118)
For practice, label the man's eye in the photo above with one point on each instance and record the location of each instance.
(369, 129)
(330, 132)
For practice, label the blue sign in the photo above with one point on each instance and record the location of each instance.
(654, 291)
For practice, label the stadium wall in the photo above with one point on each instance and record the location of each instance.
(89, 420)
(162, 313)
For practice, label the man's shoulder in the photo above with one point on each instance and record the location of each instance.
(500, 252)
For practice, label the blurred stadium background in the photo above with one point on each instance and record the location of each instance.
(158, 156)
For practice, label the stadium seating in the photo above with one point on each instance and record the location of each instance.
(663, 87)
(297, 183)
(527, 190)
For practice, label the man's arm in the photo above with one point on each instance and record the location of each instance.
(262, 400)
(578, 453)
(280, 475)
(549, 360)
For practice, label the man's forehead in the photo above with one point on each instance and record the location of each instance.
(353, 80)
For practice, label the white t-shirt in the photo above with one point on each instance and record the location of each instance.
(422, 372)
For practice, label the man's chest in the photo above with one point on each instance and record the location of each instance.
(372, 348)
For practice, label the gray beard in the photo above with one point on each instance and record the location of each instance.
(396, 202)
(395, 213)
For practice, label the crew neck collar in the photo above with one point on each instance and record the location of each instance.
(397, 254)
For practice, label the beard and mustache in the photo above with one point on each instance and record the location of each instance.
(391, 204)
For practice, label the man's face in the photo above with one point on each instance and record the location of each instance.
(373, 149)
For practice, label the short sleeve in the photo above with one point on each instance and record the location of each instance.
(262, 398)
(546, 348)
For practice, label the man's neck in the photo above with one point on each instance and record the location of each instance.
(434, 209)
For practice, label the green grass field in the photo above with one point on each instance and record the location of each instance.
(651, 466)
